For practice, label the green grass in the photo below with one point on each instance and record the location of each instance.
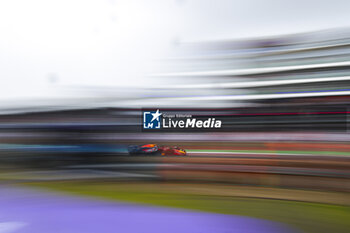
(308, 217)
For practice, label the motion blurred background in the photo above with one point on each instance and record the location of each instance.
(75, 76)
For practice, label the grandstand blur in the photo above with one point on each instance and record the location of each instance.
(288, 83)
(310, 68)
(283, 100)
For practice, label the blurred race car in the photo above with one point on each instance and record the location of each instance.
(172, 150)
(153, 149)
(143, 149)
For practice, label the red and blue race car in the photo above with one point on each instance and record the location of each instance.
(154, 149)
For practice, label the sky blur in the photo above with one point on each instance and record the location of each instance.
(50, 44)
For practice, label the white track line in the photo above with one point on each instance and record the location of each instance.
(10, 227)
(256, 153)
(239, 153)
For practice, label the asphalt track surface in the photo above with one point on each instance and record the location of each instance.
(30, 211)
